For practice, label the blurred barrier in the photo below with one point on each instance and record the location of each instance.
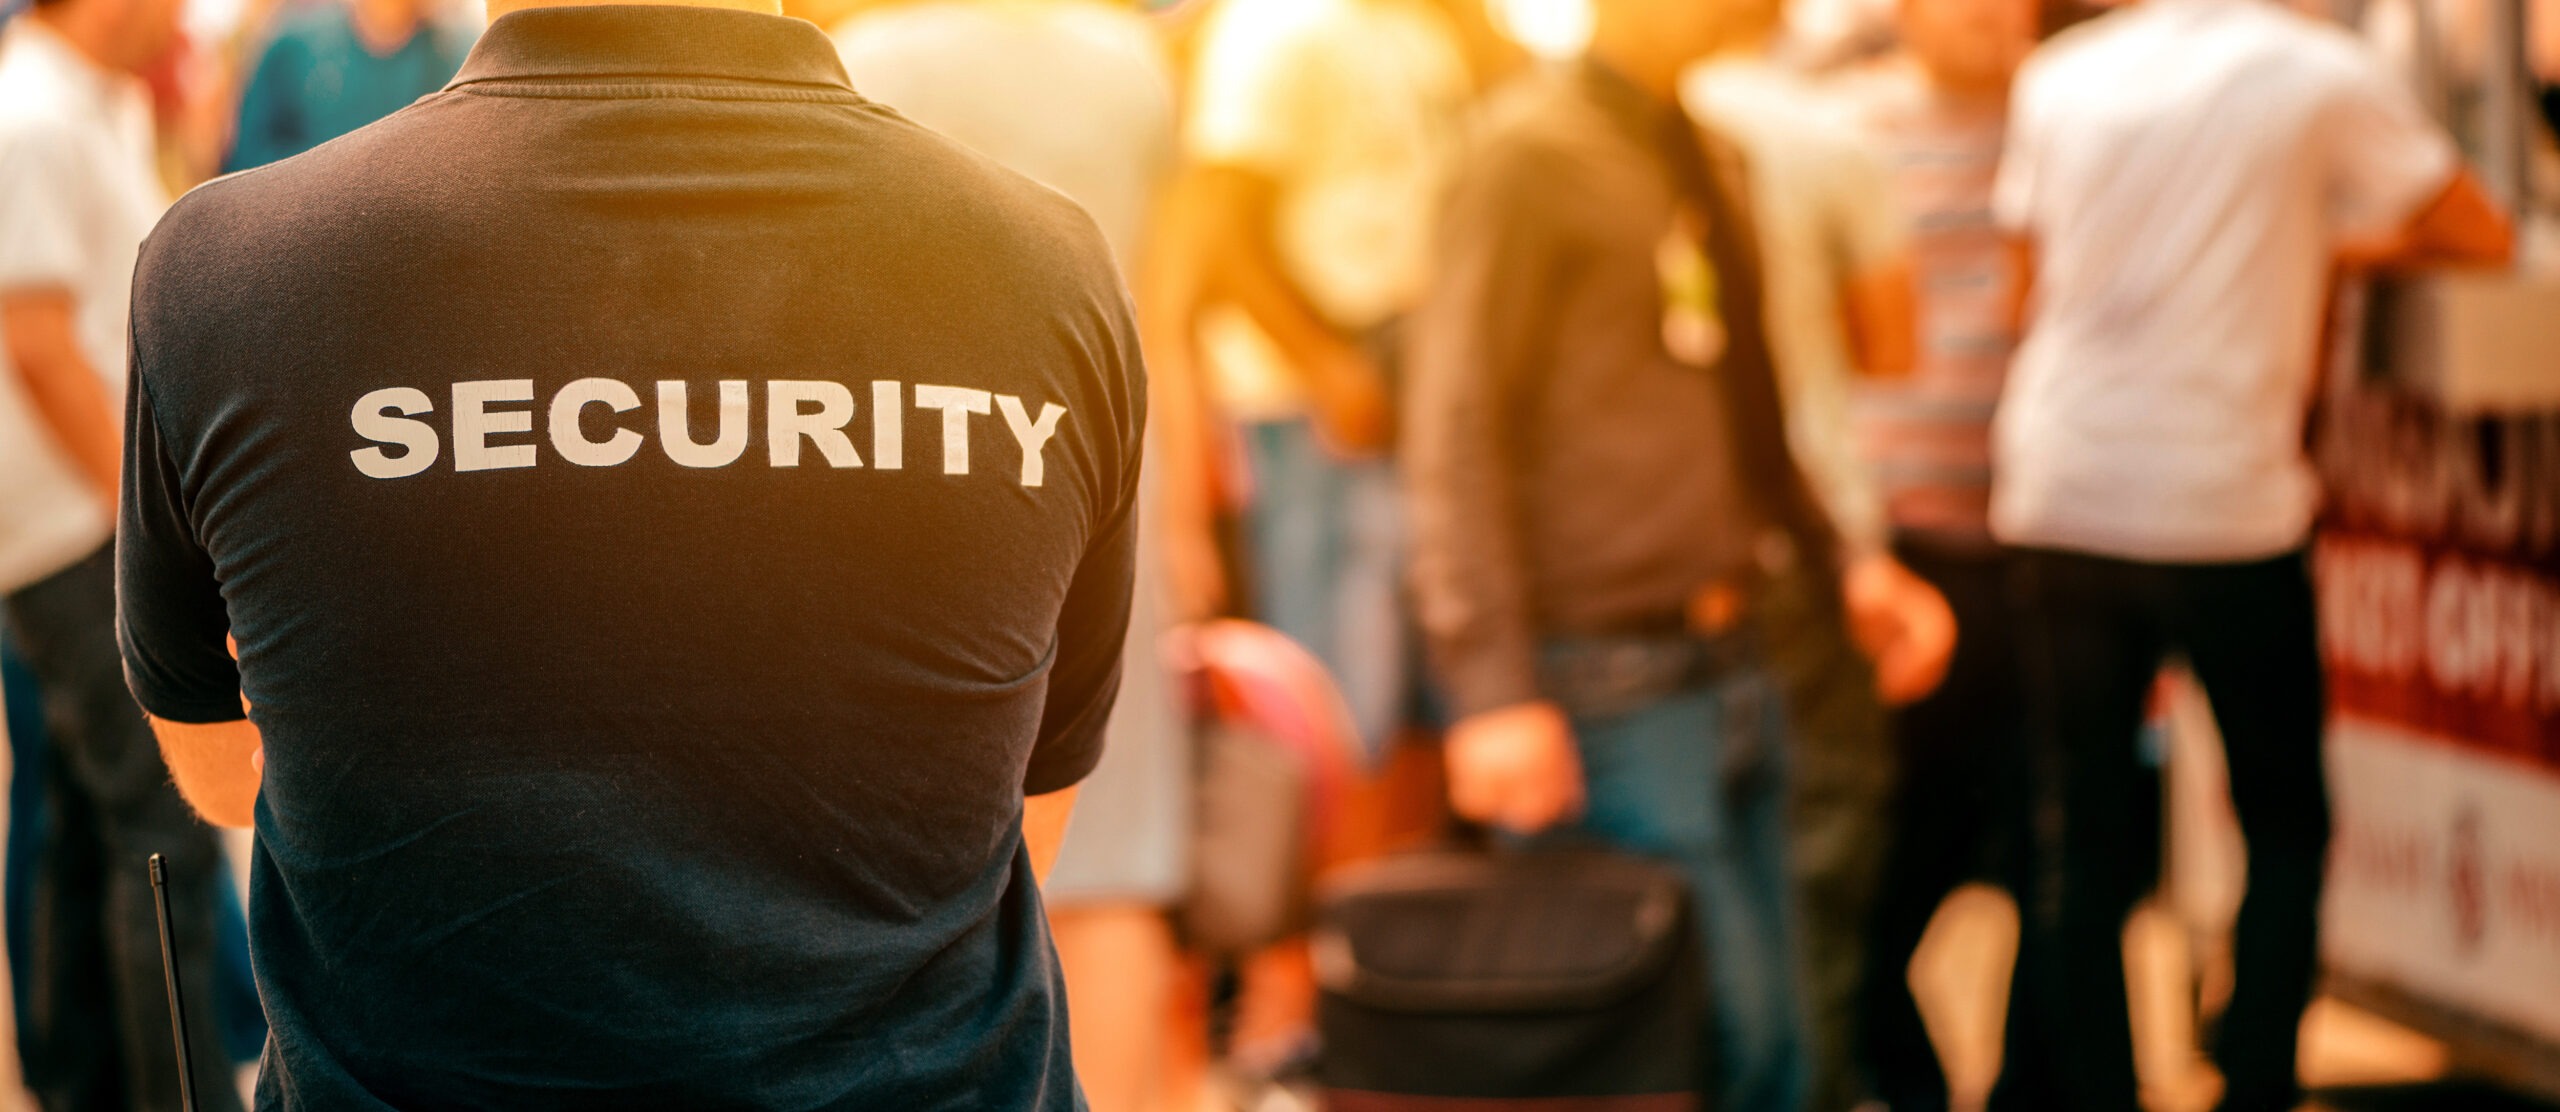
(2438, 570)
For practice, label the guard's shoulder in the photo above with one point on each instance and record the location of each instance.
(988, 206)
(218, 209)
(203, 250)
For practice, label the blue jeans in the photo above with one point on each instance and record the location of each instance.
(1326, 542)
(101, 1036)
(1698, 778)
(26, 822)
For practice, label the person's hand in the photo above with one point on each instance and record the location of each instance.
(1348, 395)
(1514, 768)
(1903, 625)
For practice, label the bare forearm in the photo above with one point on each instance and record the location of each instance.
(1044, 828)
(1882, 310)
(215, 766)
(66, 392)
(1172, 285)
(1170, 289)
(2462, 225)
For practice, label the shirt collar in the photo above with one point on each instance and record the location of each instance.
(653, 42)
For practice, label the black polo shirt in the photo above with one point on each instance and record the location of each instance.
(671, 510)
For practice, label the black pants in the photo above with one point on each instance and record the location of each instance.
(1957, 812)
(98, 1033)
(2093, 634)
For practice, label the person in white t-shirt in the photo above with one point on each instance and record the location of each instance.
(2186, 174)
(78, 192)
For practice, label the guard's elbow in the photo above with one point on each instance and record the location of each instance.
(216, 767)
(236, 816)
(221, 804)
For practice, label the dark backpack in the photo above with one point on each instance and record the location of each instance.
(1565, 981)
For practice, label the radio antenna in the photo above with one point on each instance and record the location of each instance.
(177, 999)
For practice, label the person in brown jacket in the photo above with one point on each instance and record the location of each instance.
(1600, 484)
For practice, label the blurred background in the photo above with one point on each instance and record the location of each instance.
(2436, 431)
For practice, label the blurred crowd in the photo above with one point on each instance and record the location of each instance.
(1639, 409)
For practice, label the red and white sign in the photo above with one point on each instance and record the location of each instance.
(2439, 581)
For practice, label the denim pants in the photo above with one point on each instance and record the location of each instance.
(1697, 777)
(97, 1036)
(1325, 536)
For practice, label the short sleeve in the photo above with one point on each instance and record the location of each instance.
(1093, 622)
(170, 620)
(1084, 681)
(2385, 158)
(41, 186)
(1247, 89)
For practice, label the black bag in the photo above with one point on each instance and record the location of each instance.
(1565, 981)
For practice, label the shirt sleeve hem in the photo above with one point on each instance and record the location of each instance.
(187, 709)
(2427, 179)
(1069, 761)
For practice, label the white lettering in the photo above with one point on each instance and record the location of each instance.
(485, 416)
(372, 421)
(473, 423)
(888, 426)
(2410, 468)
(956, 404)
(2373, 605)
(1032, 435)
(675, 436)
(785, 425)
(571, 441)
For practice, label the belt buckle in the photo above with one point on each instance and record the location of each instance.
(1714, 609)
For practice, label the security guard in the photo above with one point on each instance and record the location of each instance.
(672, 512)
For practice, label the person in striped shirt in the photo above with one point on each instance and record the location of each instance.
(1936, 114)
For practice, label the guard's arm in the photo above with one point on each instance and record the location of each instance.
(1044, 828)
(216, 765)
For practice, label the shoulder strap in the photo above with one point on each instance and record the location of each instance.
(1707, 172)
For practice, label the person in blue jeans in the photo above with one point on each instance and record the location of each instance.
(1605, 512)
(235, 992)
